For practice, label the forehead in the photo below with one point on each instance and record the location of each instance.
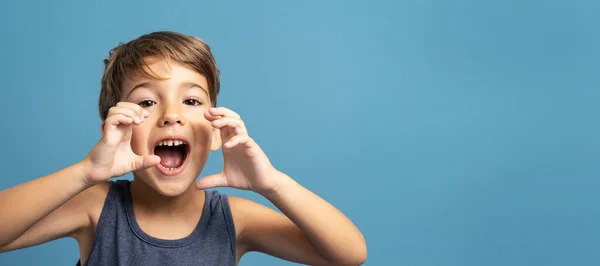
(161, 71)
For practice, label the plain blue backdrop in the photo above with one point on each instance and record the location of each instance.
(451, 132)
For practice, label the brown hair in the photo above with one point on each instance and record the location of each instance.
(127, 60)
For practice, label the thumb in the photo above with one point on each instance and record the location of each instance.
(212, 181)
(143, 162)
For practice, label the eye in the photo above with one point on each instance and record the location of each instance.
(192, 102)
(147, 103)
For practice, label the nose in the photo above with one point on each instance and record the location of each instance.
(170, 117)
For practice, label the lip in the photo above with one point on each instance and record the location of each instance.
(178, 170)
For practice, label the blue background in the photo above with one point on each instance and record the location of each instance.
(451, 132)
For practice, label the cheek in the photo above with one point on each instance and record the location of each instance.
(196, 119)
(203, 131)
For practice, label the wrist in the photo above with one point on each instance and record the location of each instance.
(86, 170)
(281, 187)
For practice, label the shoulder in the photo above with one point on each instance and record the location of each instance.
(241, 209)
(248, 216)
(91, 202)
(92, 199)
(96, 197)
(251, 219)
(245, 212)
(97, 192)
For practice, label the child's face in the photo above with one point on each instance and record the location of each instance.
(177, 105)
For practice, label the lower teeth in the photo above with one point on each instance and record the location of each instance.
(167, 168)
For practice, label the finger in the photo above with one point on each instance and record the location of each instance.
(109, 128)
(126, 111)
(212, 181)
(136, 108)
(133, 106)
(222, 111)
(238, 140)
(211, 117)
(234, 123)
(143, 162)
(122, 110)
(117, 119)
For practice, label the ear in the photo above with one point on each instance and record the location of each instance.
(216, 139)
(102, 129)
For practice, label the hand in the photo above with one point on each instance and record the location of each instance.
(112, 156)
(245, 164)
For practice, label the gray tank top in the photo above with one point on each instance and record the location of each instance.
(120, 241)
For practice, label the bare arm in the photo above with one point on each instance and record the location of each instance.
(54, 203)
(22, 206)
(312, 231)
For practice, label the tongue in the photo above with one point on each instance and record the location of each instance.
(170, 157)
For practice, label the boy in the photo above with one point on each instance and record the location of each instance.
(157, 103)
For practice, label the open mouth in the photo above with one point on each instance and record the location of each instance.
(172, 153)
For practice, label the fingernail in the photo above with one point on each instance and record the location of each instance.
(145, 113)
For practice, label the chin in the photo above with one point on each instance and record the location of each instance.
(168, 186)
(173, 189)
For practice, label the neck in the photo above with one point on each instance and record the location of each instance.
(148, 200)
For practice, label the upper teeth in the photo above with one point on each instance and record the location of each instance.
(170, 143)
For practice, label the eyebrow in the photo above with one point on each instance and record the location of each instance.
(183, 85)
